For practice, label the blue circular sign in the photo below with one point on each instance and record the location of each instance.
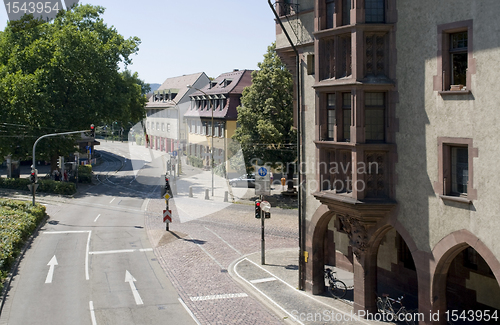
(262, 171)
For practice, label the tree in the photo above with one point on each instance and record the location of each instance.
(63, 76)
(265, 117)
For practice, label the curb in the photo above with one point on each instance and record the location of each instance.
(15, 267)
(257, 295)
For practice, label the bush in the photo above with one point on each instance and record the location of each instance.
(44, 185)
(85, 174)
(18, 221)
(195, 161)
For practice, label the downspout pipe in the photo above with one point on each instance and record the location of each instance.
(299, 151)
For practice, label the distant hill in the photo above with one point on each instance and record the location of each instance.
(154, 86)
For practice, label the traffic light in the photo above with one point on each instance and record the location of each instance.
(33, 176)
(257, 209)
(60, 162)
(167, 184)
(267, 215)
(92, 130)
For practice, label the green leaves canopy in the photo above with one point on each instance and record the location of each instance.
(63, 76)
(265, 117)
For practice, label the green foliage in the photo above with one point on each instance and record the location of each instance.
(265, 117)
(18, 220)
(44, 185)
(85, 174)
(195, 161)
(64, 76)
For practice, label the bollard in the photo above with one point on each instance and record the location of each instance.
(190, 191)
(226, 195)
(206, 195)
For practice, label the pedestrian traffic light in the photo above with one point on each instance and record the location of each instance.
(33, 176)
(267, 215)
(92, 130)
(257, 209)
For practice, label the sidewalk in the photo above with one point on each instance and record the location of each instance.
(275, 285)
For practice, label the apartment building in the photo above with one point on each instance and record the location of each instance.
(211, 118)
(165, 125)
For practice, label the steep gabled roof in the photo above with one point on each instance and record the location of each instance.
(228, 83)
(175, 85)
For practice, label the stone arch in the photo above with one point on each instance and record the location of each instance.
(316, 229)
(444, 252)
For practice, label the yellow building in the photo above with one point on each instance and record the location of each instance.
(211, 119)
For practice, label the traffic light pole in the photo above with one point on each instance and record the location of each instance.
(51, 135)
(262, 240)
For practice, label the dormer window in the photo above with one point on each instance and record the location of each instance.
(225, 82)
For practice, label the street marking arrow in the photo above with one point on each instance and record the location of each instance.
(51, 264)
(167, 216)
(130, 279)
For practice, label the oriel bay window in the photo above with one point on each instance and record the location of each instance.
(330, 11)
(346, 116)
(374, 11)
(331, 120)
(374, 117)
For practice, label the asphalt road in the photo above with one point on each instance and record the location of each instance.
(92, 263)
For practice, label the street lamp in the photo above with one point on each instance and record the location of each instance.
(211, 134)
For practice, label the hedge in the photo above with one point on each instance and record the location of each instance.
(85, 174)
(18, 220)
(44, 185)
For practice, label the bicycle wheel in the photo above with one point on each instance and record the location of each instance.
(380, 305)
(337, 289)
(408, 320)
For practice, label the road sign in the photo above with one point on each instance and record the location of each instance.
(174, 153)
(167, 216)
(167, 196)
(262, 181)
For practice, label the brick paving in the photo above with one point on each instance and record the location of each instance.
(196, 255)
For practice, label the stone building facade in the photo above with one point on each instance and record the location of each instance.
(398, 122)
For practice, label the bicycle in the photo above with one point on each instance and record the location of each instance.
(336, 288)
(385, 306)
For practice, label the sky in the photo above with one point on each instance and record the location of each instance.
(185, 37)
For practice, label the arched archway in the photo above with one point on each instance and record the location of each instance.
(452, 251)
(316, 230)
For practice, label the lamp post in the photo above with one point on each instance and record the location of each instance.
(211, 134)
(178, 134)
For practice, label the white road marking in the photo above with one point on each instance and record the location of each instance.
(188, 311)
(130, 279)
(112, 200)
(299, 291)
(234, 249)
(92, 313)
(223, 296)
(87, 277)
(97, 218)
(262, 293)
(263, 280)
(121, 251)
(52, 263)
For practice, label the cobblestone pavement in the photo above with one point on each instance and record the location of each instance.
(196, 256)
